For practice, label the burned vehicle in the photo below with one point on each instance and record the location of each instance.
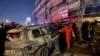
(29, 41)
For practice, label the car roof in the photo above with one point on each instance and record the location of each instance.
(34, 27)
(23, 27)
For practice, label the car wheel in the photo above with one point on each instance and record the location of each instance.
(43, 51)
(25, 52)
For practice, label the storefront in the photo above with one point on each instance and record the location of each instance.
(90, 19)
(97, 18)
(93, 8)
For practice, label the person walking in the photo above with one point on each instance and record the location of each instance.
(67, 29)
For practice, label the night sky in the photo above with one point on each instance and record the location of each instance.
(16, 10)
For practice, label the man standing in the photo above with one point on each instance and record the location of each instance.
(2, 39)
(67, 29)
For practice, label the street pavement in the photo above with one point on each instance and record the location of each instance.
(77, 51)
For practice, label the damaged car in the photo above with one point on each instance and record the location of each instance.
(29, 41)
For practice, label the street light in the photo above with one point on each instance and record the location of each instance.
(28, 20)
(7, 21)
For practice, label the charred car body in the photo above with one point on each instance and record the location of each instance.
(29, 41)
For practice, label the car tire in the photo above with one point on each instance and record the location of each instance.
(43, 51)
(25, 52)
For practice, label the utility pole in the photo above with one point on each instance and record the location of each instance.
(81, 13)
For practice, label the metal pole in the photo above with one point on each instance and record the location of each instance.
(81, 12)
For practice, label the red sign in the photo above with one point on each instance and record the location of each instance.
(63, 11)
(60, 13)
(55, 16)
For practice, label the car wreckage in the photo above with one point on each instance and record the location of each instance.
(30, 41)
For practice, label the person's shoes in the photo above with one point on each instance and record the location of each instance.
(68, 50)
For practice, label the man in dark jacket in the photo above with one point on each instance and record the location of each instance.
(2, 39)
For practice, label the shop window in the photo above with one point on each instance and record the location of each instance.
(88, 10)
(97, 9)
(92, 9)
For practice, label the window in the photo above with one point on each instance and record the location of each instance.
(50, 10)
(95, 1)
(93, 8)
(87, 10)
(46, 16)
(36, 33)
(97, 8)
(13, 36)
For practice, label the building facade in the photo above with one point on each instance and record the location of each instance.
(90, 7)
(40, 12)
(47, 11)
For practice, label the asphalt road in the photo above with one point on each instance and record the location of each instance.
(76, 51)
